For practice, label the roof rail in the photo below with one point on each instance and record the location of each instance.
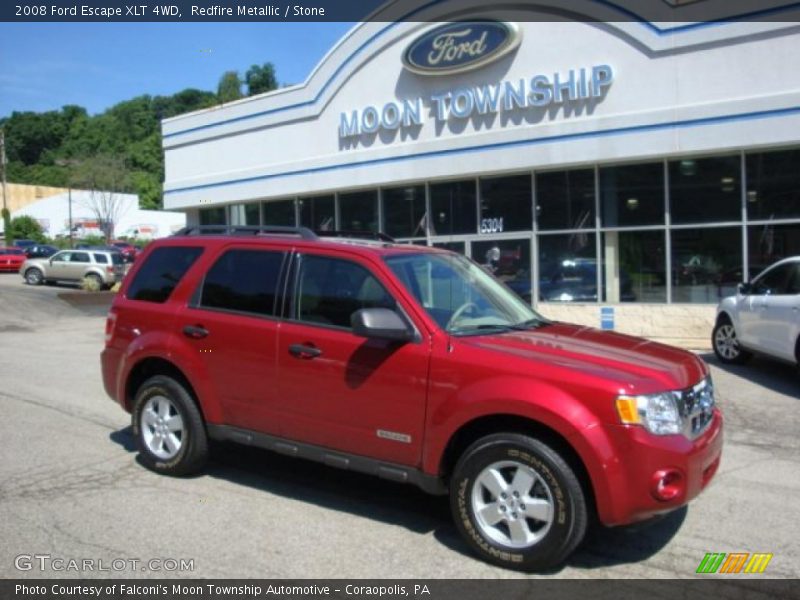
(363, 235)
(303, 232)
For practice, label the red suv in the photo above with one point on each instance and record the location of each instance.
(413, 364)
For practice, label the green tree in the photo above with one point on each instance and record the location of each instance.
(230, 87)
(26, 228)
(107, 178)
(261, 79)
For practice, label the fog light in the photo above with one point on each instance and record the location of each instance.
(666, 484)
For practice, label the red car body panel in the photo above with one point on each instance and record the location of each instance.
(11, 259)
(564, 377)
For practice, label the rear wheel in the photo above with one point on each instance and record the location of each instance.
(169, 428)
(34, 276)
(726, 344)
(517, 502)
(96, 280)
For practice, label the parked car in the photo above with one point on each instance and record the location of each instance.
(763, 317)
(413, 364)
(568, 280)
(40, 251)
(128, 250)
(11, 259)
(23, 243)
(104, 266)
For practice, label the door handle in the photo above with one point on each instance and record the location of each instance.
(196, 332)
(304, 351)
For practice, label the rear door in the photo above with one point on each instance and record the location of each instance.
(339, 390)
(78, 263)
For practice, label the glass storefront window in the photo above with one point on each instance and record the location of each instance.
(506, 204)
(453, 209)
(568, 268)
(634, 266)
(705, 190)
(318, 212)
(767, 244)
(632, 195)
(459, 247)
(358, 211)
(773, 185)
(280, 212)
(213, 216)
(706, 263)
(244, 214)
(565, 199)
(404, 211)
(509, 261)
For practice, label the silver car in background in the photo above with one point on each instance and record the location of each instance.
(104, 266)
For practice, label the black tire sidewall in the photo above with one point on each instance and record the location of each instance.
(194, 442)
(39, 279)
(739, 358)
(570, 513)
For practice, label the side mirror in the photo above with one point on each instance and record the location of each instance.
(744, 288)
(380, 323)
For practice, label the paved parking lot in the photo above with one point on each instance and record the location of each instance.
(71, 487)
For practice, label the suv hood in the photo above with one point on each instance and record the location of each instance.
(636, 365)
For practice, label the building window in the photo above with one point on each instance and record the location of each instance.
(565, 199)
(634, 266)
(706, 263)
(404, 211)
(460, 247)
(509, 261)
(773, 185)
(244, 214)
(632, 195)
(704, 190)
(506, 204)
(280, 212)
(358, 211)
(767, 244)
(213, 216)
(453, 209)
(318, 213)
(568, 268)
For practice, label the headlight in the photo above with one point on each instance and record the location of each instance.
(657, 412)
(687, 411)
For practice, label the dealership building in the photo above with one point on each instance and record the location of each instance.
(632, 169)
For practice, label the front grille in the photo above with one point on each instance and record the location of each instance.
(696, 407)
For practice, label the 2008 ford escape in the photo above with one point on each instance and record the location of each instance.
(413, 364)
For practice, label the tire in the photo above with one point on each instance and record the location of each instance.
(726, 345)
(523, 468)
(166, 445)
(97, 278)
(34, 276)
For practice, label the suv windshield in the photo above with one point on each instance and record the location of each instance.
(460, 296)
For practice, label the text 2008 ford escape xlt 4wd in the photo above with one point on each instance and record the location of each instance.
(412, 364)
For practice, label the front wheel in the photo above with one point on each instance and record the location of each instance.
(726, 344)
(169, 428)
(34, 276)
(517, 502)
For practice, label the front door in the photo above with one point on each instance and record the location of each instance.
(339, 390)
(762, 328)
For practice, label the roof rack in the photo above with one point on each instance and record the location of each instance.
(362, 235)
(303, 232)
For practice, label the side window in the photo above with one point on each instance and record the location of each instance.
(62, 257)
(794, 280)
(243, 281)
(162, 272)
(80, 257)
(774, 281)
(330, 290)
(101, 259)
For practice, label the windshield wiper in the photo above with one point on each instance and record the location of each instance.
(526, 325)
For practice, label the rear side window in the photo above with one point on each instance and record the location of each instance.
(164, 269)
(101, 259)
(243, 281)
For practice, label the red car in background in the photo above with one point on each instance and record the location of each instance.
(11, 259)
(129, 251)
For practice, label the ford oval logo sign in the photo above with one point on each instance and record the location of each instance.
(460, 46)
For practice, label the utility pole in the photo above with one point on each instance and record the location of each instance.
(3, 165)
(70, 216)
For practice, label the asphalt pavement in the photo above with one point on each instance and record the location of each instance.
(71, 486)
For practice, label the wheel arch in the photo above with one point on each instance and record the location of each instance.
(149, 367)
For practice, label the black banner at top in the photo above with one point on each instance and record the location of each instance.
(645, 11)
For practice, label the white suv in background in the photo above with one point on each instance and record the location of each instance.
(763, 317)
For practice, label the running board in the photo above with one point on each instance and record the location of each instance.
(349, 462)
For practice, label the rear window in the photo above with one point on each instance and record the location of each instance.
(161, 273)
(116, 258)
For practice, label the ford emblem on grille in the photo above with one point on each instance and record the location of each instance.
(460, 46)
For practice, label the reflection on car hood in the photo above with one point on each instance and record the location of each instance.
(637, 364)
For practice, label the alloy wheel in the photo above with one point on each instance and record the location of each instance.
(162, 427)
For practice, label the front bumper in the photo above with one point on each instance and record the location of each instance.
(635, 473)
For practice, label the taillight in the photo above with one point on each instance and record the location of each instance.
(109, 269)
(111, 322)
